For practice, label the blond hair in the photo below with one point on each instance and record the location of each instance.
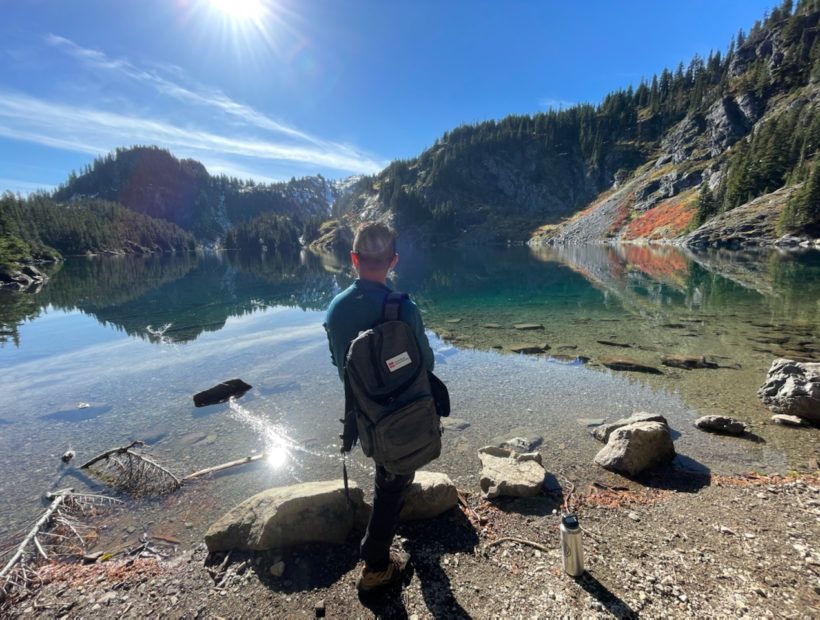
(375, 244)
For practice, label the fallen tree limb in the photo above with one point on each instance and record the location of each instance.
(135, 472)
(522, 541)
(56, 500)
(210, 470)
(112, 451)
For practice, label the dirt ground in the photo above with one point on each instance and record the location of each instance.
(671, 545)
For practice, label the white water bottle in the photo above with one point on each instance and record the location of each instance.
(572, 550)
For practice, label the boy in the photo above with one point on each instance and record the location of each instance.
(355, 310)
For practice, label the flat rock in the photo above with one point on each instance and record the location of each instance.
(636, 447)
(688, 362)
(603, 432)
(628, 364)
(491, 326)
(793, 388)
(506, 473)
(430, 495)
(454, 424)
(518, 440)
(528, 326)
(788, 420)
(611, 343)
(527, 348)
(720, 424)
(286, 517)
(456, 320)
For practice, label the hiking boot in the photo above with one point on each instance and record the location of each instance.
(373, 580)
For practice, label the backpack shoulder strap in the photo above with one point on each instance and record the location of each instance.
(392, 305)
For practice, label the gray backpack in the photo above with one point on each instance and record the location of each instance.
(390, 405)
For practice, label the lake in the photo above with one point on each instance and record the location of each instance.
(113, 349)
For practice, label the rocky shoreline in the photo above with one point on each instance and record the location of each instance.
(672, 545)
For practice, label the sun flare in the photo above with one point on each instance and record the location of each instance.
(240, 10)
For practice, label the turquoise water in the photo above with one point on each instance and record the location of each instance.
(135, 338)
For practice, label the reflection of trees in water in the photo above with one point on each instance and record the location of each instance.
(15, 308)
(177, 298)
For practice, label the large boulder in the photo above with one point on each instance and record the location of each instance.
(430, 495)
(284, 517)
(602, 432)
(505, 472)
(793, 388)
(636, 447)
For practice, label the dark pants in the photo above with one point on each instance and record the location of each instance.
(388, 499)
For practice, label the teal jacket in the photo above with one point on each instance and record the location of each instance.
(360, 307)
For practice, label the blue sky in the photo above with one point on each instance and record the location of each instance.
(269, 89)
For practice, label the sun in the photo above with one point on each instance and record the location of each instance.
(240, 10)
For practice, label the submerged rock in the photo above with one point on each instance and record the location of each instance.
(720, 424)
(285, 517)
(506, 473)
(527, 348)
(628, 364)
(430, 495)
(221, 393)
(528, 326)
(454, 424)
(789, 420)
(636, 447)
(793, 388)
(688, 361)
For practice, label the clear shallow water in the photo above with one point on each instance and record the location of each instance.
(136, 338)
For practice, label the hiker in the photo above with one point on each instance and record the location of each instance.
(357, 309)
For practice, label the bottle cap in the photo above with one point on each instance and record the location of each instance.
(570, 522)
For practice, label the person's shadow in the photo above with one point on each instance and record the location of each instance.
(427, 542)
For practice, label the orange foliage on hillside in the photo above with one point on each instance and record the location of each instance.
(668, 219)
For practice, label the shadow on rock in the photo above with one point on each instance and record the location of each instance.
(614, 605)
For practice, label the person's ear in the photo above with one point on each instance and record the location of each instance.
(354, 258)
(393, 261)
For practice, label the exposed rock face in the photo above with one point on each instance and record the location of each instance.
(504, 472)
(793, 388)
(430, 495)
(726, 124)
(751, 224)
(720, 424)
(635, 447)
(602, 432)
(284, 517)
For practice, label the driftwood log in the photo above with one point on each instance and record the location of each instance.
(56, 500)
(233, 388)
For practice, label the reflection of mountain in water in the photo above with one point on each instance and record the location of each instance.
(176, 298)
(649, 278)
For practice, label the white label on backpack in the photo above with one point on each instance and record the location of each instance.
(400, 361)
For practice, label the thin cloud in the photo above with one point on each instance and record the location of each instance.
(17, 186)
(201, 95)
(90, 130)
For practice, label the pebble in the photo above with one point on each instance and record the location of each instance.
(634, 516)
(278, 569)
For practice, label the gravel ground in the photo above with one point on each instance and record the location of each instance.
(673, 545)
